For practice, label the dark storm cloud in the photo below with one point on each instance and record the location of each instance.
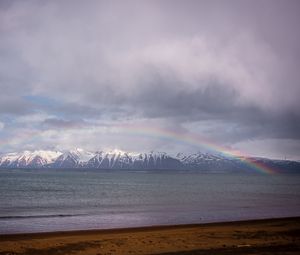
(232, 64)
(216, 102)
(160, 97)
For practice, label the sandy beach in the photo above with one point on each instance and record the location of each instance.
(271, 236)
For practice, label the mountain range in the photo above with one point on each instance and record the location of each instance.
(116, 159)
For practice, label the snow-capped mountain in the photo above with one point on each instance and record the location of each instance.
(209, 161)
(124, 160)
(72, 159)
(38, 158)
(116, 159)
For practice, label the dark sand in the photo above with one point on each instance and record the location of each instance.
(273, 236)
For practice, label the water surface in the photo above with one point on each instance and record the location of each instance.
(54, 200)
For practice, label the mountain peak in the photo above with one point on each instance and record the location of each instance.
(118, 159)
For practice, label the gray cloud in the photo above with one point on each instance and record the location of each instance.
(63, 124)
(225, 69)
(14, 105)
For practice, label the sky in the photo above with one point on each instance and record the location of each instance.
(99, 75)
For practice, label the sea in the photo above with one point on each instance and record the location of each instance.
(45, 200)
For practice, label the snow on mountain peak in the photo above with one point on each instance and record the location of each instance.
(77, 154)
(26, 158)
(116, 151)
(118, 159)
(49, 156)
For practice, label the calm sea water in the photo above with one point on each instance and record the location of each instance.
(55, 200)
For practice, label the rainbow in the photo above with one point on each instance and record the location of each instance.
(172, 136)
(196, 141)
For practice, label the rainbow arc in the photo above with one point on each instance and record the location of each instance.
(196, 141)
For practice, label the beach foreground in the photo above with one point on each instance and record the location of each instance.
(272, 236)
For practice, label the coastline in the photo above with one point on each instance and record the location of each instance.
(267, 236)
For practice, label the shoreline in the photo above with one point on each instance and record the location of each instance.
(267, 236)
(142, 228)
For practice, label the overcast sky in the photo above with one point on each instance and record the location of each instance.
(79, 73)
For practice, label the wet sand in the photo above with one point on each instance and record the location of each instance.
(272, 236)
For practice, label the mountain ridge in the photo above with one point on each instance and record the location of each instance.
(116, 159)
